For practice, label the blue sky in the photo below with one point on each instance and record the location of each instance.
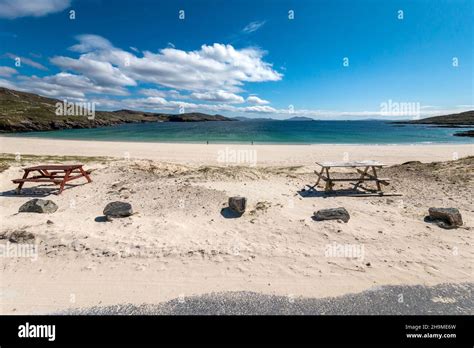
(243, 57)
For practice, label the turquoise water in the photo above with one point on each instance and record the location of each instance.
(265, 132)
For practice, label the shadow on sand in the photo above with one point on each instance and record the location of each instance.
(229, 213)
(37, 191)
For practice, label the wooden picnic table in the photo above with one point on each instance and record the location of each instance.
(362, 168)
(57, 174)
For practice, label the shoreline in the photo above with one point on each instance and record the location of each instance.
(465, 141)
(265, 154)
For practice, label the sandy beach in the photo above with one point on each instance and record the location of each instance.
(178, 243)
(202, 154)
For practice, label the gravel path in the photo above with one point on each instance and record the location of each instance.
(442, 299)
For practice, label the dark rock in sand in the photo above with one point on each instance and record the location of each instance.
(410, 162)
(21, 237)
(117, 210)
(38, 206)
(445, 217)
(238, 204)
(332, 214)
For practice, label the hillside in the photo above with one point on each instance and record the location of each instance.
(25, 112)
(463, 118)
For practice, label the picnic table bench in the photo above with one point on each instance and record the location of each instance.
(57, 174)
(362, 168)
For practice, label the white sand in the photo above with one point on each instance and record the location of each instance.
(179, 244)
(209, 154)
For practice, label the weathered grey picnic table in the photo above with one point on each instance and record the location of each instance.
(362, 168)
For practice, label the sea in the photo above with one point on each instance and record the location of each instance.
(265, 132)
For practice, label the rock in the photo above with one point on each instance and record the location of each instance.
(21, 237)
(445, 217)
(332, 214)
(117, 210)
(49, 222)
(38, 206)
(238, 204)
(410, 162)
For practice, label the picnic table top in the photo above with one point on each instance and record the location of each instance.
(368, 163)
(55, 167)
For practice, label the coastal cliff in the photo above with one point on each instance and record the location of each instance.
(27, 112)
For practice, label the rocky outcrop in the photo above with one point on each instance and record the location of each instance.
(28, 112)
(468, 133)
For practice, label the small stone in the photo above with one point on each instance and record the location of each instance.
(49, 222)
(445, 217)
(36, 205)
(238, 204)
(332, 214)
(22, 237)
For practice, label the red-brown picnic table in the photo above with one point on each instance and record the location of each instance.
(57, 174)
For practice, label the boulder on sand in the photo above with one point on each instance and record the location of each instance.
(445, 217)
(238, 204)
(38, 206)
(332, 214)
(117, 210)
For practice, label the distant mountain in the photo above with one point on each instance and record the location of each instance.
(243, 118)
(453, 120)
(25, 112)
(299, 118)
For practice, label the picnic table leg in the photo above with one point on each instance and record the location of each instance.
(329, 183)
(379, 188)
(66, 177)
(84, 173)
(362, 175)
(20, 185)
(319, 177)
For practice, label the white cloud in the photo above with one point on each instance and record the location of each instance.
(216, 67)
(90, 42)
(7, 84)
(256, 100)
(218, 96)
(253, 26)
(27, 61)
(260, 109)
(35, 8)
(171, 93)
(100, 72)
(63, 85)
(6, 71)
